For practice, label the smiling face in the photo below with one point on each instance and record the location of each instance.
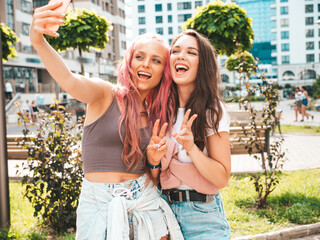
(148, 63)
(184, 61)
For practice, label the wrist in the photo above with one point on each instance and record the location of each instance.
(153, 166)
(194, 146)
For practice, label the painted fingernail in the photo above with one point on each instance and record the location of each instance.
(56, 34)
(61, 21)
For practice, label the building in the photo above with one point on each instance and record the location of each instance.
(297, 41)
(260, 13)
(28, 74)
(162, 17)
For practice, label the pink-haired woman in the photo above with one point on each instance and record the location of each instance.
(118, 200)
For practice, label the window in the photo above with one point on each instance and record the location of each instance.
(283, 0)
(159, 19)
(309, 8)
(142, 31)
(141, 9)
(319, 44)
(318, 7)
(285, 59)
(39, 3)
(169, 6)
(170, 30)
(26, 48)
(309, 20)
(285, 47)
(183, 17)
(158, 7)
(285, 35)
(309, 33)
(159, 30)
(169, 18)
(170, 41)
(184, 5)
(197, 4)
(142, 20)
(309, 45)
(284, 22)
(25, 28)
(26, 6)
(310, 58)
(284, 10)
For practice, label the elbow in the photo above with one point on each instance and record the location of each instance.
(222, 182)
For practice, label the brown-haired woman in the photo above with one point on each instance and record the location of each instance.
(305, 101)
(199, 165)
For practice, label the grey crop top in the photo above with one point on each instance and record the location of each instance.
(102, 146)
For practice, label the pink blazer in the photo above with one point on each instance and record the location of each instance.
(173, 172)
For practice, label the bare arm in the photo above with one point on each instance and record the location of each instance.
(216, 167)
(84, 89)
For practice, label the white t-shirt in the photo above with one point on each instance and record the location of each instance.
(182, 154)
(8, 87)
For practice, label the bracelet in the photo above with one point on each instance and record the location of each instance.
(153, 166)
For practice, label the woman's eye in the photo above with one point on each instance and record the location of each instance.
(174, 51)
(192, 53)
(139, 57)
(156, 60)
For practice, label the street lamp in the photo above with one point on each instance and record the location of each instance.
(4, 183)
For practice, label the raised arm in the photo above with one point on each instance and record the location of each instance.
(81, 88)
(217, 166)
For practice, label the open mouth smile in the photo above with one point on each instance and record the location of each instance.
(144, 75)
(181, 68)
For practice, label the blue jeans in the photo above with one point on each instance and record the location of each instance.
(202, 221)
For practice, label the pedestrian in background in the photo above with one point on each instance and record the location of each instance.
(8, 90)
(35, 111)
(298, 102)
(305, 102)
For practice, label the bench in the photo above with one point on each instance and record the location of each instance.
(242, 118)
(14, 146)
(238, 140)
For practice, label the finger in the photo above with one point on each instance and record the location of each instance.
(163, 148)
(185, 118)
(50, 6)
(47, 32)
(163, 130)
(50, 21)
(184, 131)
(155, 128)
(163, 142)
(189, 123)
(50, 13)
(174, 134)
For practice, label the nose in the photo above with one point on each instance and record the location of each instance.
(181, 55)
(146, 62)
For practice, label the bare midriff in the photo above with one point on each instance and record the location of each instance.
(110, 177)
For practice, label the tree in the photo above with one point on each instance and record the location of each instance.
(9, 39)
(315, 88)
(81, 30)
(242, 62)
(225, 25)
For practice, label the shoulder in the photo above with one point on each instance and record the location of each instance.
(224, 122)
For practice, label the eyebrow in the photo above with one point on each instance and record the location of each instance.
(154, 55)
(193, 48)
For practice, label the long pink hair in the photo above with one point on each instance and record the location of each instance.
(157, 103)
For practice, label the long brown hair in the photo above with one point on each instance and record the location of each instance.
(205, 98)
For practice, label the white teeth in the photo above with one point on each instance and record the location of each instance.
(181, 67)
(144, 73)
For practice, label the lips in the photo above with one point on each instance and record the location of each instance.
(181, 68)
(144, 75)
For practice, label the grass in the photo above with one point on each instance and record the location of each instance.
(296, 200)
(300, 129)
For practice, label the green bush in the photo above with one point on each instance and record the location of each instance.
(54, 162)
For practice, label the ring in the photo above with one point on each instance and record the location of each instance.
(158, 149)
(158, 146)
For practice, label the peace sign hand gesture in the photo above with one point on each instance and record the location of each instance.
(157, 146)
(185, 136)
